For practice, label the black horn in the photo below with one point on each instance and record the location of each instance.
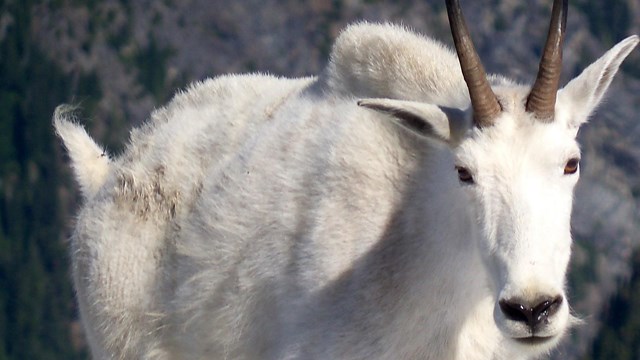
(542, 99)
(483, 101)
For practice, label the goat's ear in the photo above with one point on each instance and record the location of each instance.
(446, 124)
(584, 93)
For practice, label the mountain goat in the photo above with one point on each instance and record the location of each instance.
(402, 205)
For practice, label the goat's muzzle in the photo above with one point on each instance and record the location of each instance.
(533, 315)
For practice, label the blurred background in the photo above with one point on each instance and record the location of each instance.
(119, 59)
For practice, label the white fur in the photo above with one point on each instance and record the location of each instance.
(256, 217)
(90, 161)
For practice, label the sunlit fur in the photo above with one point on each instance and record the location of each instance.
(257, 217)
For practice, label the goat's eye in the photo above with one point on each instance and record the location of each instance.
(572, 166)
(464, 175)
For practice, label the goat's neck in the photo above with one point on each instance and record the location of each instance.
(426, 272)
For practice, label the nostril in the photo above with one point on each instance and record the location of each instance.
(516, 311)
(546, 308)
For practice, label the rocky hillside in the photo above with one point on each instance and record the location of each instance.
(120, 59)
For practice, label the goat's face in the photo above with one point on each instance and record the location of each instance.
(519, 165)
(519, 175)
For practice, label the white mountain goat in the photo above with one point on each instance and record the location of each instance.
(257, 217)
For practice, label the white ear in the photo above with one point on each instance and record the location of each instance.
(445, 124)
(583, 94)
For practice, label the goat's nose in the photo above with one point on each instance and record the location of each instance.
(517, 310)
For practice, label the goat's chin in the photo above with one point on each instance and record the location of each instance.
(520, 339)
(534, 346)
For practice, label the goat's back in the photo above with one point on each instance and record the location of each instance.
(125, 236)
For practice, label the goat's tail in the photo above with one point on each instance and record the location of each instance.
(89, 161)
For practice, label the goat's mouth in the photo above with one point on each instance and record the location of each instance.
(534, 340)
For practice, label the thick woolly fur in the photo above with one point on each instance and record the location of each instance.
(257, 217)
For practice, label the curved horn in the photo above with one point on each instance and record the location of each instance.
(542, 99)
(483, 101)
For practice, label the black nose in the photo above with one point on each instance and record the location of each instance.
(533, 316)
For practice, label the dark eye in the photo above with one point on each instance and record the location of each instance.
(464, 175)
(572, 166)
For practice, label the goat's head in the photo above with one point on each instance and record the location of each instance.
(518, 161)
